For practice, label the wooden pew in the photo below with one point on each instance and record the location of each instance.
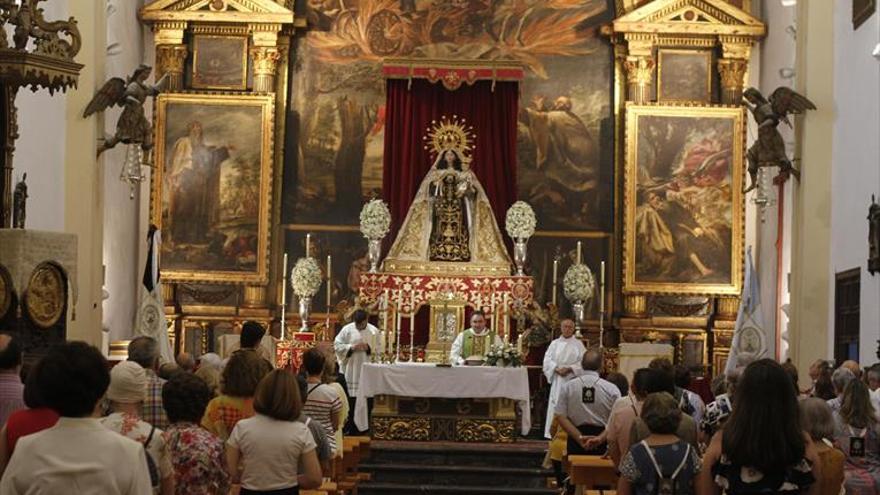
(592, 472)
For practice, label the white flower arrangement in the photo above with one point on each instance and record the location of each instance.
(503, 355)
(520, 221)
(306, 277)
(578, 283)
(375, 219)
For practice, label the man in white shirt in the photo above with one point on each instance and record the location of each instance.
(77, 455)
(473, 343)
(585, 404)
(354, 346)
(562, 363)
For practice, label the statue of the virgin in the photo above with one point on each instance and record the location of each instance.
(450, 225)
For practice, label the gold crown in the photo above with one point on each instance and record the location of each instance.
(450, 134)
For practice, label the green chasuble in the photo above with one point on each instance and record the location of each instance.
(474, 345)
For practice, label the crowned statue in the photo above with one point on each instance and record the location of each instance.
(450, 226)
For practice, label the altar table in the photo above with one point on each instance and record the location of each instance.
(477, 388)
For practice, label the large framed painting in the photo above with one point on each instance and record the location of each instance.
(211, 186)
(220, 62)
(684, 75)
(683, 200)
(565, 130)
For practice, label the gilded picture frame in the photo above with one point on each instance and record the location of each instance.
(683, 200)
(219, 62)
(211, 187)
(684, 75)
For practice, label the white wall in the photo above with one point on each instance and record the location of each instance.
(39, 151)
(124, 232)
(856, 163)
(778, 54)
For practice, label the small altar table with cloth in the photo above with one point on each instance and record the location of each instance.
(423, 402)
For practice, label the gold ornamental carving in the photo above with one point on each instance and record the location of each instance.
(733, 74)
(635, 305)
(639, 77)
(400, 428)
(727, 308)
(255, 296)
(170, 60)
(265, 61)
(484, 430)
(44, 299)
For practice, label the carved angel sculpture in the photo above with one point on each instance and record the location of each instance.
(769, 149)
(132, 126)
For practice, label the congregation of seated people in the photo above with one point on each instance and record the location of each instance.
(214, 426)
(755, 430)
(75, 424)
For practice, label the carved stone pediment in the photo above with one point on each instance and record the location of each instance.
(707, 17)
(249, 11)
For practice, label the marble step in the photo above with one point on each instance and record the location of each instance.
(520, 454)
(447, 475)
(427, 489)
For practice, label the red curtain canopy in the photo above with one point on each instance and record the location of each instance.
(419, 94)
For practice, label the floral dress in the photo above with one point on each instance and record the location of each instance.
(736, 479)
(862, 472)
(198, 460)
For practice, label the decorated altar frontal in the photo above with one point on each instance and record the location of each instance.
(423, 402)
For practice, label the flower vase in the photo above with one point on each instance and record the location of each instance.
(373, 253)
(501, 363)
(305, 306)
(519, 255)
(578, 307)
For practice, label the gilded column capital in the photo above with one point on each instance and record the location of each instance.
(639, 77)
(635, 305)
(733, 72)
(171, 60)
(265, 61)
(727, 308)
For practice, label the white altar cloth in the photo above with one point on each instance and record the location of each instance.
(457, 382)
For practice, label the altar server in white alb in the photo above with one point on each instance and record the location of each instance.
(562, 362)
(354, 345)
(473, 343)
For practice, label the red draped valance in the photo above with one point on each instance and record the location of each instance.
(452, 73)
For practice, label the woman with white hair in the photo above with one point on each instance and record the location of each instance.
(210, 367)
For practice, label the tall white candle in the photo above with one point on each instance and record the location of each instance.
(397, 330)
(412, 334)
(329, 290)
(284, 297)
(578, 253)
(555, 278)
(308, 245)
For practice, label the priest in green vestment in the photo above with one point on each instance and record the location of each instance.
(473, 343)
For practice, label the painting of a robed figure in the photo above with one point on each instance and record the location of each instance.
(684, 200)
(211, 193)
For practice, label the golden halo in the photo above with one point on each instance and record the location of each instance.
(450, 134)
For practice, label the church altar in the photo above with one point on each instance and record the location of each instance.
(424, 402)
(447, 296)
